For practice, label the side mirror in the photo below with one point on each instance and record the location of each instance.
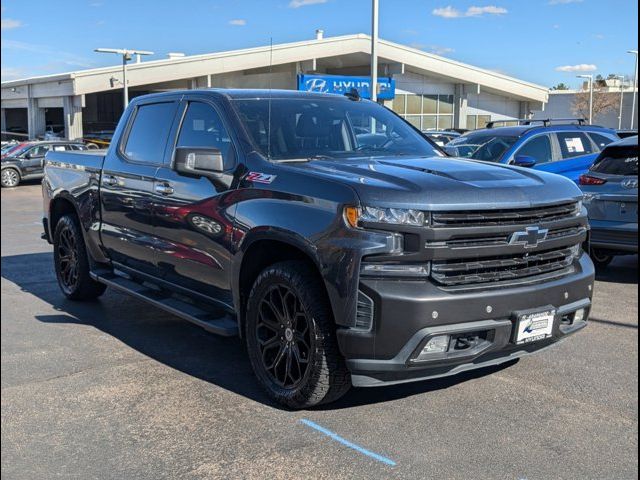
(525, 161)
(27, 156)
(199, 161)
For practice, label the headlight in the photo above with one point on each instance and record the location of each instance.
(392, 216)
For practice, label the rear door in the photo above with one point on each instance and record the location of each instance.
(194, 215)
(128, 181)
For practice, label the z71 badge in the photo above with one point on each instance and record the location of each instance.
(260, 177)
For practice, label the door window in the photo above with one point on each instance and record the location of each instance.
(538, 148)
(574, 144)
(38, 151)
(149, 133)
(600, 140)
(203, 127)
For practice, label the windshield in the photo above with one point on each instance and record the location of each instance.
(14, 149)
(481, 146)
(328, 127)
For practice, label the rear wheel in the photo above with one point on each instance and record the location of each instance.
(72, 262)
(10, 177)
(291, 338)
(600, 258)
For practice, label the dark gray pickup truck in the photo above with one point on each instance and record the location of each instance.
(327, 232)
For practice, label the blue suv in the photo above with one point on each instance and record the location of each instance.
(568, 149)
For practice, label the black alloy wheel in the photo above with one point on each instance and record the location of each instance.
(71, 261)
(283, 336)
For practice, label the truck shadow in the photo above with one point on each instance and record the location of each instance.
(177, 343)
(623, 269)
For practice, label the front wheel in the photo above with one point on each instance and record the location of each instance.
(291, 338)
(72, 262)
(9, 178)
(601, 259)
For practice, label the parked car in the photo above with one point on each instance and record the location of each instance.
(440, 137)
(611, 196)
(567, 149)
(341, 258)
(626, 133)
(26, 160)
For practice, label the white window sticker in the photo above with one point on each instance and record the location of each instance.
(574, 145)
(198, 125)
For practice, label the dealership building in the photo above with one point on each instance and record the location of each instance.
(430, 91)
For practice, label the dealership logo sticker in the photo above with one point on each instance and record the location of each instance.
(257, 177)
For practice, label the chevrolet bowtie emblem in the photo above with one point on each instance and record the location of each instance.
(529, 238)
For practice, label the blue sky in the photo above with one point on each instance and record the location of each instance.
(542, 41)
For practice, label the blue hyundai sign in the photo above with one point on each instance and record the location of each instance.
(343, 84)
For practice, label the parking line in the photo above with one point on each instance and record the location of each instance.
(347, 443)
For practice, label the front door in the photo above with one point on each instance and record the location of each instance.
(194, 215)
(127, 186)
(33, 160)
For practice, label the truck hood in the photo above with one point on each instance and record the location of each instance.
(438, 183)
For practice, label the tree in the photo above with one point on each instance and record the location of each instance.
(603, 102)
(561, 86)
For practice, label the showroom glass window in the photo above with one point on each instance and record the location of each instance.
(426, 112)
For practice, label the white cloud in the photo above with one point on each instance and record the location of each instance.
(435, 49)
(304, 3)
(556, 26)
(474, 11)
(10, 23)
(599, 36)
(63, 58)
(238, 22)
(582, 67)
(11, 73)
(564, 2)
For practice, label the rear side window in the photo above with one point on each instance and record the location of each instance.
(574, 144)
(538, 148)
(149, 133)
(600, 140)
(618, 161)
(203, 127)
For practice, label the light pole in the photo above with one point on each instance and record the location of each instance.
(374, 50)
(590, 77)
(126, 56)
(621, 78)
(635, 90)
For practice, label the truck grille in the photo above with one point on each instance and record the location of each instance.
(478, 271)
(476, 218)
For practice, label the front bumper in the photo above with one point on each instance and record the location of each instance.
(408, 313)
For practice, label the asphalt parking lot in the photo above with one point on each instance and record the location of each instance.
(118, 389)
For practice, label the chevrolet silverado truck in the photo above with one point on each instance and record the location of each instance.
(325, 231)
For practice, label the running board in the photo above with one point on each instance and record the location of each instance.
(222, 324)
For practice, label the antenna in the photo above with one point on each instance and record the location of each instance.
(269, 114)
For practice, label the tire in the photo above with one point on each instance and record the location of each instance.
(280, 340)
(601, 259)
(72, 262)
(10, 177)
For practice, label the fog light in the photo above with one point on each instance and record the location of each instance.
(580, 315)
(394, 270)
(439, 344)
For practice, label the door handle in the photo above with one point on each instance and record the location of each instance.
(110, 180)
(164, 188)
